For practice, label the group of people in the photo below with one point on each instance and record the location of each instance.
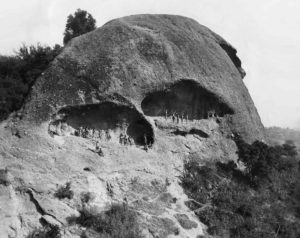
(125, 139)
(93, 133)
(176, 117)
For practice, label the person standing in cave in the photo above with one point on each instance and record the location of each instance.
(145, 142)
(125, 140)
(173, 117)
(130, 141)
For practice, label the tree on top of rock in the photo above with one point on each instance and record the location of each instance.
(78, 24)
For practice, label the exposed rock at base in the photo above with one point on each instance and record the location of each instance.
(188, 68)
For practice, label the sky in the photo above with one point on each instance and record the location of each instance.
(266, 34)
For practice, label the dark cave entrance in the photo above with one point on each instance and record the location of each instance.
(138, 131)
(185, 97)
(103, 118)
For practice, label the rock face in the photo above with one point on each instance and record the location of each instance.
(150, 64)
(115, 116)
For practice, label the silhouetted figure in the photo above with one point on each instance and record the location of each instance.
(98, 149)
(97, 145)
(173, 118)
(125, 203)
(121, 139)
(109, 189)
(108, 136)
(145, 142)
(177, 118)
(125, 140)
(130, 141)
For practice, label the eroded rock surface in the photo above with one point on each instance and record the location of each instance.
(173, 60)
(171, 85)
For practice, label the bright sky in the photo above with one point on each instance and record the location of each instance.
(266, 34)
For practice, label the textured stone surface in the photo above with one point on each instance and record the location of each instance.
(109, 80)
(128, 58)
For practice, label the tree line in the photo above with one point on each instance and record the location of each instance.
(19, 71)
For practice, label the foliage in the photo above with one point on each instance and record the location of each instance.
(261, 201)
(45, 232)
(19, 72)
(118, 222)
(64, 192)
(79, 23)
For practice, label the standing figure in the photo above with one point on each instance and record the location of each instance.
(97, 147)
(108, 136)
(177, 117)
(173, 117)
(125, 139)
(130, 141)
(121, 139)
(145, 142)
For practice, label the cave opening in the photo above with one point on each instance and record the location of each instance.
(107, 121)
(187, 98)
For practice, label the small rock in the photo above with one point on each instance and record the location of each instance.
(185, 222)
(50, 220)
(5, 177)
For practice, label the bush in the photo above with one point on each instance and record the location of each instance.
(118, 222)
(64, 192)
(45, 232)
(261, 201)
(19, 72)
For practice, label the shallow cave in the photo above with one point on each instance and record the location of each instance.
(186, 98)
(104, 117)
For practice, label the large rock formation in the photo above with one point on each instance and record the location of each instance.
(149, 63)
(171, 85)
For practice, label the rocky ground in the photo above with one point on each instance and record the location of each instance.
(37, 164)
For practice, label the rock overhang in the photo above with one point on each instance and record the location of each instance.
(136, 55)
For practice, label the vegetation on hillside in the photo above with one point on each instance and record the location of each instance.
(19, 72)
(47, 231)
(260, 201)
(118, 222)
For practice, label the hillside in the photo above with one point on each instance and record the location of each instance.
(105, 133)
